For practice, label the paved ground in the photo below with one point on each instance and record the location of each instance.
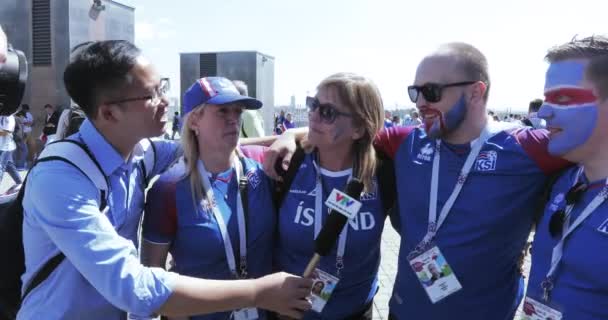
(8, 182)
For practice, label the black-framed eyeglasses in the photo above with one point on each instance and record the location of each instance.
(558, 219)
(327, 111)
(432, 91)
(155, 97)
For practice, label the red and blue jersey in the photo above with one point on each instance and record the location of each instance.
(486, 229)
(580, 287)
(172, 217)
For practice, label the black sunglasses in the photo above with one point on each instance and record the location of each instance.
(432, 91)
(573, 196)
(327, 111)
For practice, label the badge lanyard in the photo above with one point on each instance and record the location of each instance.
(434, 223)
(319, 219)
(556, 256)
(222, 224)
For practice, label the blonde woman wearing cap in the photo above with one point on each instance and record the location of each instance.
(212, 211)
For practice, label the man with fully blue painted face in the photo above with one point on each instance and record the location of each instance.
(567, 280)
(467, 190)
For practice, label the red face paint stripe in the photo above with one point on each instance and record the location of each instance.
(570, 96)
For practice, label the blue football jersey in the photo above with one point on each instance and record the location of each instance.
(581, 287)
(358, 279)
(171, 216)
(487, 227)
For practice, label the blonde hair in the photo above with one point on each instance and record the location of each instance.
(191, 155)
(361, 96)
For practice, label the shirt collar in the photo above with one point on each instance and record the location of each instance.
(109, 159)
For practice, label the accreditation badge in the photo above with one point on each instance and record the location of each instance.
(536, 310)
(435, 274)
(245, 314)
(323, 285)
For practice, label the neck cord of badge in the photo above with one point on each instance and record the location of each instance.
(548, 284)
(334, 226)
(211, 199)
(434, 221)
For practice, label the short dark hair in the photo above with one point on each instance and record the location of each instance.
(597, 73)
(471, 62)
(48, 106)
(25, 107)
(535, 105)
(585, 48)
(99, 69)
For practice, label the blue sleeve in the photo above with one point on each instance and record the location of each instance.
(166, 153)
(72, 220)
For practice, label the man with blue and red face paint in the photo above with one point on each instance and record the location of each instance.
(567, 280)
(467, 192)
(472, 205)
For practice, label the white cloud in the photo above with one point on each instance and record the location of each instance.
(146, 30)
(165, 21)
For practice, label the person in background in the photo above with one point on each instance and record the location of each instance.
(175, 125)
(253, 122)
(19, 137)
(27, 122)
(7, 148)
(50, 124)
(387, 119)
(571, 240)
(415, 119)
(533, 120)
(288, 123)
(396, 120)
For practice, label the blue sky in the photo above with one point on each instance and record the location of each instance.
(384, 40)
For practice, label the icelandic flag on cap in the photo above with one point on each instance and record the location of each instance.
(213, 86)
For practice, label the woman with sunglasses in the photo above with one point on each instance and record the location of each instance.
(344, 117)
(213, 210)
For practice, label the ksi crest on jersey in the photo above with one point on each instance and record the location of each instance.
(486, 161)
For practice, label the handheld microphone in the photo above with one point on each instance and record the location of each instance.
(332, 227)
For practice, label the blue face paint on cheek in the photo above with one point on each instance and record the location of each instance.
(449, 121)
(575, 122)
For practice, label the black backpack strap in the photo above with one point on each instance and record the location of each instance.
(243, 189)
(281, 188)
(387, 184)
(243, 182)
(546, 195)
(78, 155)
(44, 273)
(147, 151)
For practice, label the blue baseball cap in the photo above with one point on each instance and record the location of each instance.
(216, 90)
